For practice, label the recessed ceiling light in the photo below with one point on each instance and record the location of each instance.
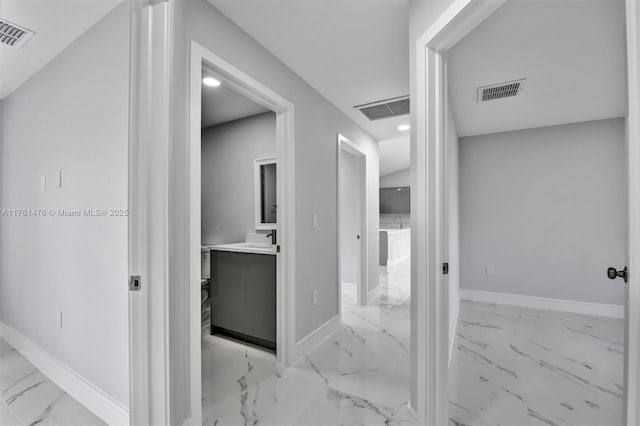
(211, 82)
(404, 127)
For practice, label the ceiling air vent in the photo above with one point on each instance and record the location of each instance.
(13, 35)
(501, 90)
(385, 109)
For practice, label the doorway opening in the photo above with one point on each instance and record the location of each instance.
(352, 223)
(241, 226)
(529, 350)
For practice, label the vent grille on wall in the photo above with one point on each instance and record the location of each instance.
(13, 35)
(501, 90)
(385, 109)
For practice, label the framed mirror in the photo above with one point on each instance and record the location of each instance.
(264, 170)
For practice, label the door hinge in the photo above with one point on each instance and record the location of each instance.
(135, 283)
(445, 268)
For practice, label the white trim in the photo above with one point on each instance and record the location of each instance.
(257, 194)
(549, 304)
(285, 145)
(632, 338)
(86, 393)
(361, 164)
(454, 328)
(315, 338)
(149, 192)
(373, 295)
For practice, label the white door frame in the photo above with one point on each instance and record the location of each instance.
(148, 233)
(430, 144)
(285, 143)
(344, 144)
(632, 308)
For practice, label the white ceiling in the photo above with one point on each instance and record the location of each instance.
(571, 52)
(221, 104)
(57, 23)
(394, 155)
(351, 51)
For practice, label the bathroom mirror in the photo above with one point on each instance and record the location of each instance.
(265, 193)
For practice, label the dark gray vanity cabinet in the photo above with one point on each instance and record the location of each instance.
(243, 296)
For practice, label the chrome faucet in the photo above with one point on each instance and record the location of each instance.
(398, 217)
(273, 237)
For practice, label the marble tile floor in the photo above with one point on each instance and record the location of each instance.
(30, 398)
(360, 376)
(519, 367)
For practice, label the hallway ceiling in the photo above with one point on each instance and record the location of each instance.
(57, 23)
(572, 54)
(221, 105)
(351, 51)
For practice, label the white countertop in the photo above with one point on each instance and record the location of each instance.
(244, 248)
(395, 230)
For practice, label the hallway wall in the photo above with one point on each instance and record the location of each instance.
(399, 178)
(547, 208)
(317, 123)
(71, 116)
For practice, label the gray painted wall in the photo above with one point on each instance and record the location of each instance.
(547, 208)
(399, 178)
(71, 116)
(317, 123)
(228, 152)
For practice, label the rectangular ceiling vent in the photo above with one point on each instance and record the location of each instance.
(13, 35)
(385, 109)
(501, 90)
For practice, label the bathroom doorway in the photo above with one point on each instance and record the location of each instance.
(240, 226)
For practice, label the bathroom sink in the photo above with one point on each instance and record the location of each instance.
(253, 245)
(244, 247)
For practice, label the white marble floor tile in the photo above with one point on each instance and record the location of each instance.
(360, 376)
(518, 366)
(7, 417)
(32, 398)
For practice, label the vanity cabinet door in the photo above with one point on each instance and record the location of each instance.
(243, 295)
(227, 300)
(260, 296)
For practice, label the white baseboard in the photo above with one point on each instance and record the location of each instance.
(315, 338)
(452, 330)
(412, 415)
(586, 308)
(85, 392)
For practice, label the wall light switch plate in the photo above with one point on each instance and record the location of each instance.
(314, 221)
(59, 179)
(43, 183)
(314, 297)
(490, 270)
